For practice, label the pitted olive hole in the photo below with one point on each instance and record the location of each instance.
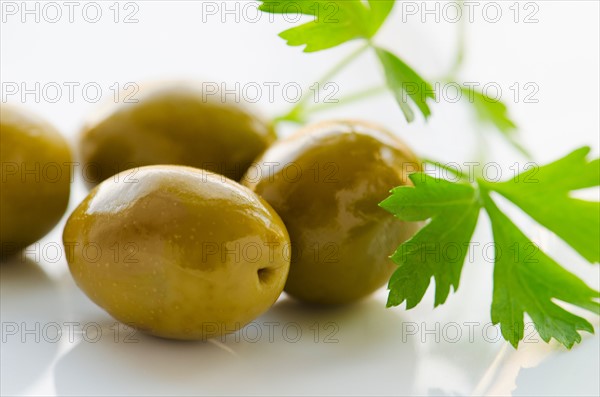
(264, 275)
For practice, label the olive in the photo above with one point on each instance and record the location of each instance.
(174, 124)
(178, 252)
(325, 182)
(36, 178)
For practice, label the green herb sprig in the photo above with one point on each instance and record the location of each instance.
(526, 279)
(340, 21)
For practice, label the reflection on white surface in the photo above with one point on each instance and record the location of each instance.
(28, 301)
(372, 350)
(358, 356)
(363, 349)
(539, 369)
(572, 373)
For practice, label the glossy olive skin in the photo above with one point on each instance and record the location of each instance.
(36, 179)
(325, 182)
(174, 124)
(178, 252)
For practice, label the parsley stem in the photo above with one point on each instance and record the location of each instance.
(342, 64)
(350, 98)
(518, 146)
(297, 110)
(460, 49)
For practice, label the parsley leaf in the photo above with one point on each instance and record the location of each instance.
(339, 21)
(336, 21)
(543, 193)
(453, 209)
(293, 6)
(404, 81)
(493, 111)
(526, 280)
(380, 10)
(490, 110)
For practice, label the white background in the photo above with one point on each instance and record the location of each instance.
(374, 353)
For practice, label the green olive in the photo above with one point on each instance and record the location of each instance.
(326, 182)
(178, 252)
(36, 179)
(174, 124)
